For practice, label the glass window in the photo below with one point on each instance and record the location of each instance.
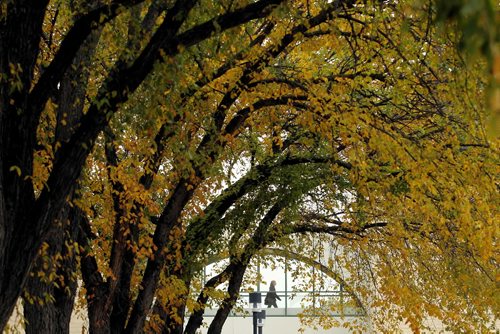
(298, 300)
(273, 270)
(300, 286)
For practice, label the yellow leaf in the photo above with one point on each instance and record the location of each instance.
(15, 169)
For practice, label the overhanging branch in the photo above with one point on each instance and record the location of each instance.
(74, 39)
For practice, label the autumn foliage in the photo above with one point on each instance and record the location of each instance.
(141, 139)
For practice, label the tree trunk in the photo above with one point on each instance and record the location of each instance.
(97, 295)
(20, 29)
(54, 315)
(196, 318)
(122, 298)
(228, 304)
(99, 314)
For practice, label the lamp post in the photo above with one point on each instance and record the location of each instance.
(255, 298)
(260, 320)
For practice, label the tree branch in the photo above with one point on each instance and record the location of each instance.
(74, 39)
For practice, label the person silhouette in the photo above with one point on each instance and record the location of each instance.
(271, 296)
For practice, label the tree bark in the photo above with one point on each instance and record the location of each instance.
(97, 289)
(54, 315)
(19, 46)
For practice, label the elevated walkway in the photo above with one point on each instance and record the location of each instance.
(293, 303)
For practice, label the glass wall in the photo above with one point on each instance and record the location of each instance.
(301, 287)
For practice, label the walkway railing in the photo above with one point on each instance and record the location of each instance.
(292, 303)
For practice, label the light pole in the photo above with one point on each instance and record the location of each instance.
(255, 298)
(260, 320)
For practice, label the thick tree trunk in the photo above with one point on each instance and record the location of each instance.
(20, 32)
(54, 315)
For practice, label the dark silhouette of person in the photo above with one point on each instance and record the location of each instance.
(271, 296)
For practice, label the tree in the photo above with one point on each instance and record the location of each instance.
(478, 23)
(27, 86)
(167, 131)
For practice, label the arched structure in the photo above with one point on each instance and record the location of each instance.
(342, 291)
(321, 267)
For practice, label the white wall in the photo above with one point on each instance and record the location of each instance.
(272, 325)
